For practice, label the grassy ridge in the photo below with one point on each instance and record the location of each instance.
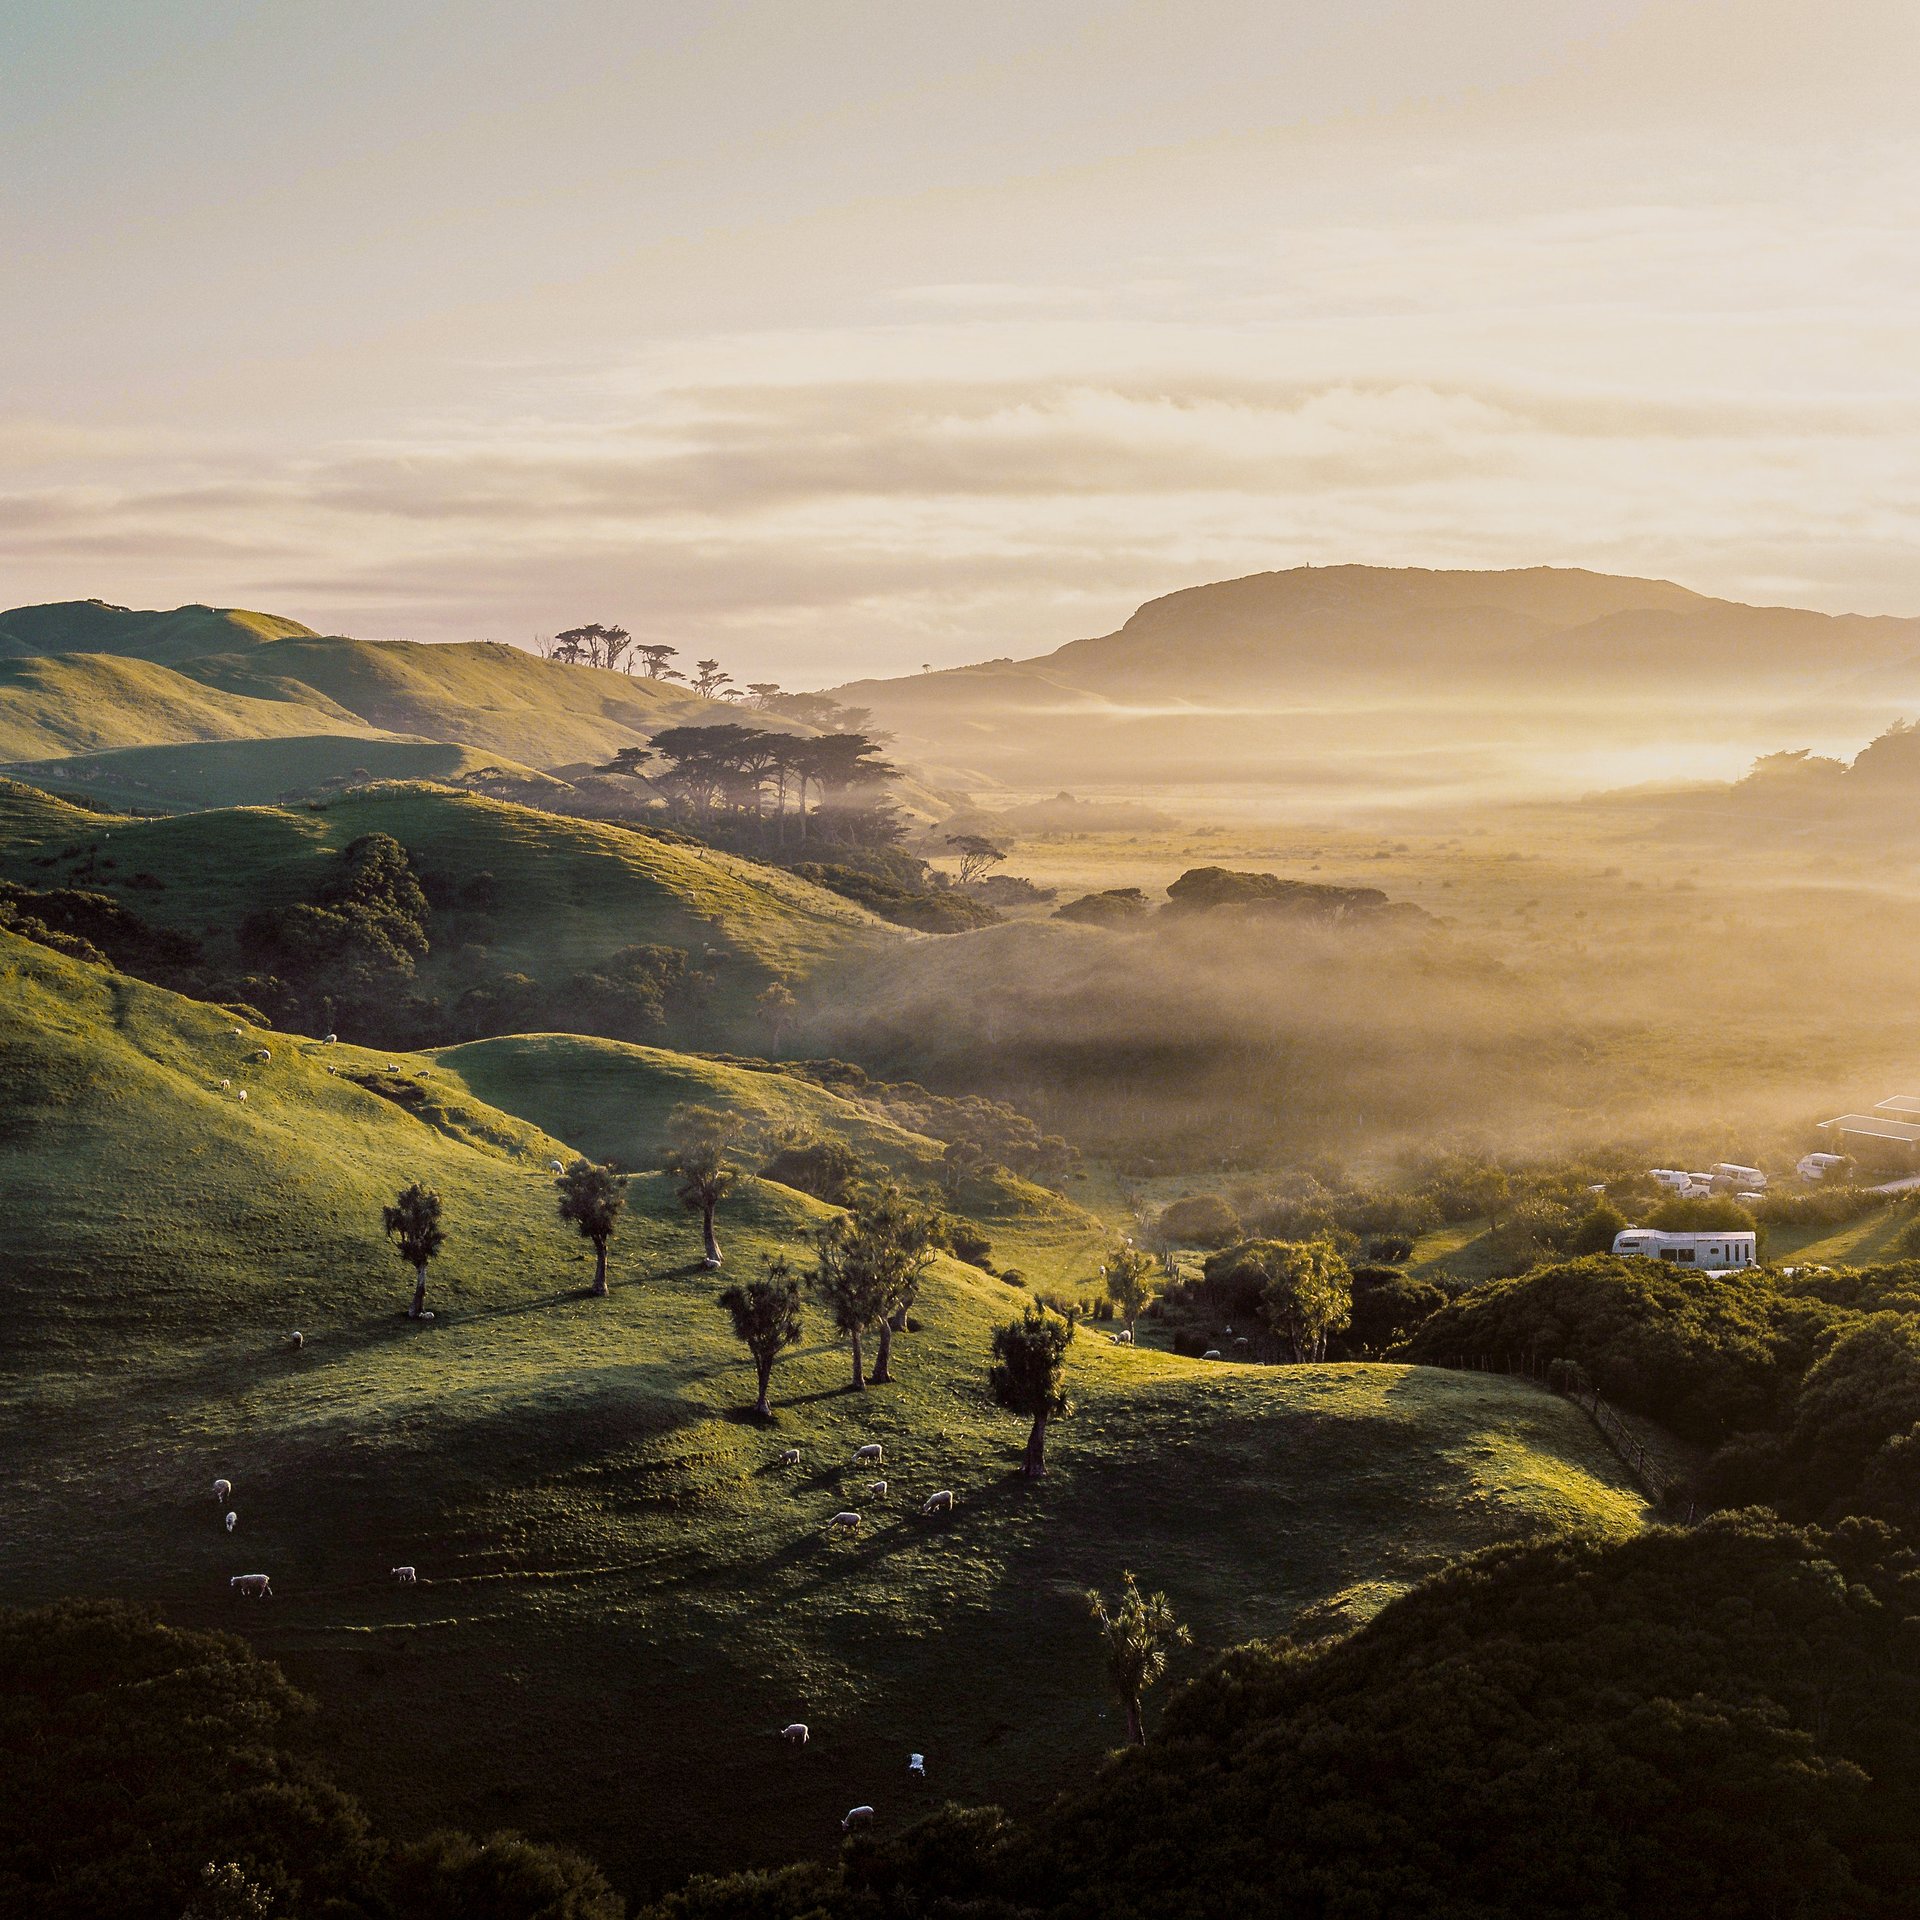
(55, 705)
(620, 1598)
(257, 772)
(93, 626)
(612, 1100)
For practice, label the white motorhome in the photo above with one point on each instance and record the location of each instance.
(1816, 1166)
(1712, 1252)
(1726, 1174)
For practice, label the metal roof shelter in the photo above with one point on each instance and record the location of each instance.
(1899, 1103)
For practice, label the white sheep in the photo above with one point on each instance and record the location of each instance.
(233, 1520)
(223, 1491)
(848, 1522)
(332, 1040)
(917, 1765)
(872, 1453)
(333, 1070)
(225, 1084)
(791, 1458)
(252, 1586)
(795, 1734)
(405, 1576)
(243, 1096)
(393, 1066)
(263, 1053)
(554, 1166)
(941, 1502)
(1212, 1353)
(876, 1489)
(857, 1817)
(1121, 1339)
(238, 1035)
(296, 1339)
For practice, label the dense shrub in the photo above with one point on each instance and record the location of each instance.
(1200, 1220)
(1708, 1354)
(1388, 1307)
(822, 1164)
(1714, 1722)
(150, 1772)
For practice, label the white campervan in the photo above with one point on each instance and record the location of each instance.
(1713, 1252)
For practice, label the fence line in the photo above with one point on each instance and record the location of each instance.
(1660, 1486)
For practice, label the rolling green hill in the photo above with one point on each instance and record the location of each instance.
(621, 1597)
(579, 890)
(88, 703)
(94, 626)
(612, 1100)
(257, 772)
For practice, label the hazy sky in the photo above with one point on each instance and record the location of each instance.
(835, 335)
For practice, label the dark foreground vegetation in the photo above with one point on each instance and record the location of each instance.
(1715, 1721)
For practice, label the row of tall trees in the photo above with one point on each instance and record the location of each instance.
(756, 773)
(614, 650)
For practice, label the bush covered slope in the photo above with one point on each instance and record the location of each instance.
(557, 895)
(621, 1598)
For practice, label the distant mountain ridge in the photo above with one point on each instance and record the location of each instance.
(1344, 622)
(1334, 668)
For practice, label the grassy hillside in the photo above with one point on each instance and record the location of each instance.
(612, 1100)
(86, 703)
(257, 772)
(484, 695)
(93, 626)
(579, 890)
(621, 1598)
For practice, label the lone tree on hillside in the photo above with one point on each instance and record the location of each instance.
(1140, 1632)
(413, 1223)
(847, 1283)
(708, 679)
(655, 656)
(699, 1139)
(1028, 1376)
(766, 1320)
(592, 1198)
(777, 1007)
(898, 1237)
(1308, 1294)
(977, 853)
(1127, 1274)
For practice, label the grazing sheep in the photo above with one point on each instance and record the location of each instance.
(791, 1458)
(262, 1053)
(333, 1070)
(917, 1765)
(252, 1586)
(296, 1339)
(554, 1166)
(405, 1576)
(1212, 1353)
(795, 1735)
(393, 1066)
(872, 1451)
(857, 1817)
(1241, 1340)
(1121, 1339)
(941, 1502)
(233, 1520)
(243, 1096)
(223, 1491)
(332, 1040)
(238, 1035)
(224, 1085)
(876, 1489)
(848, 1522)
